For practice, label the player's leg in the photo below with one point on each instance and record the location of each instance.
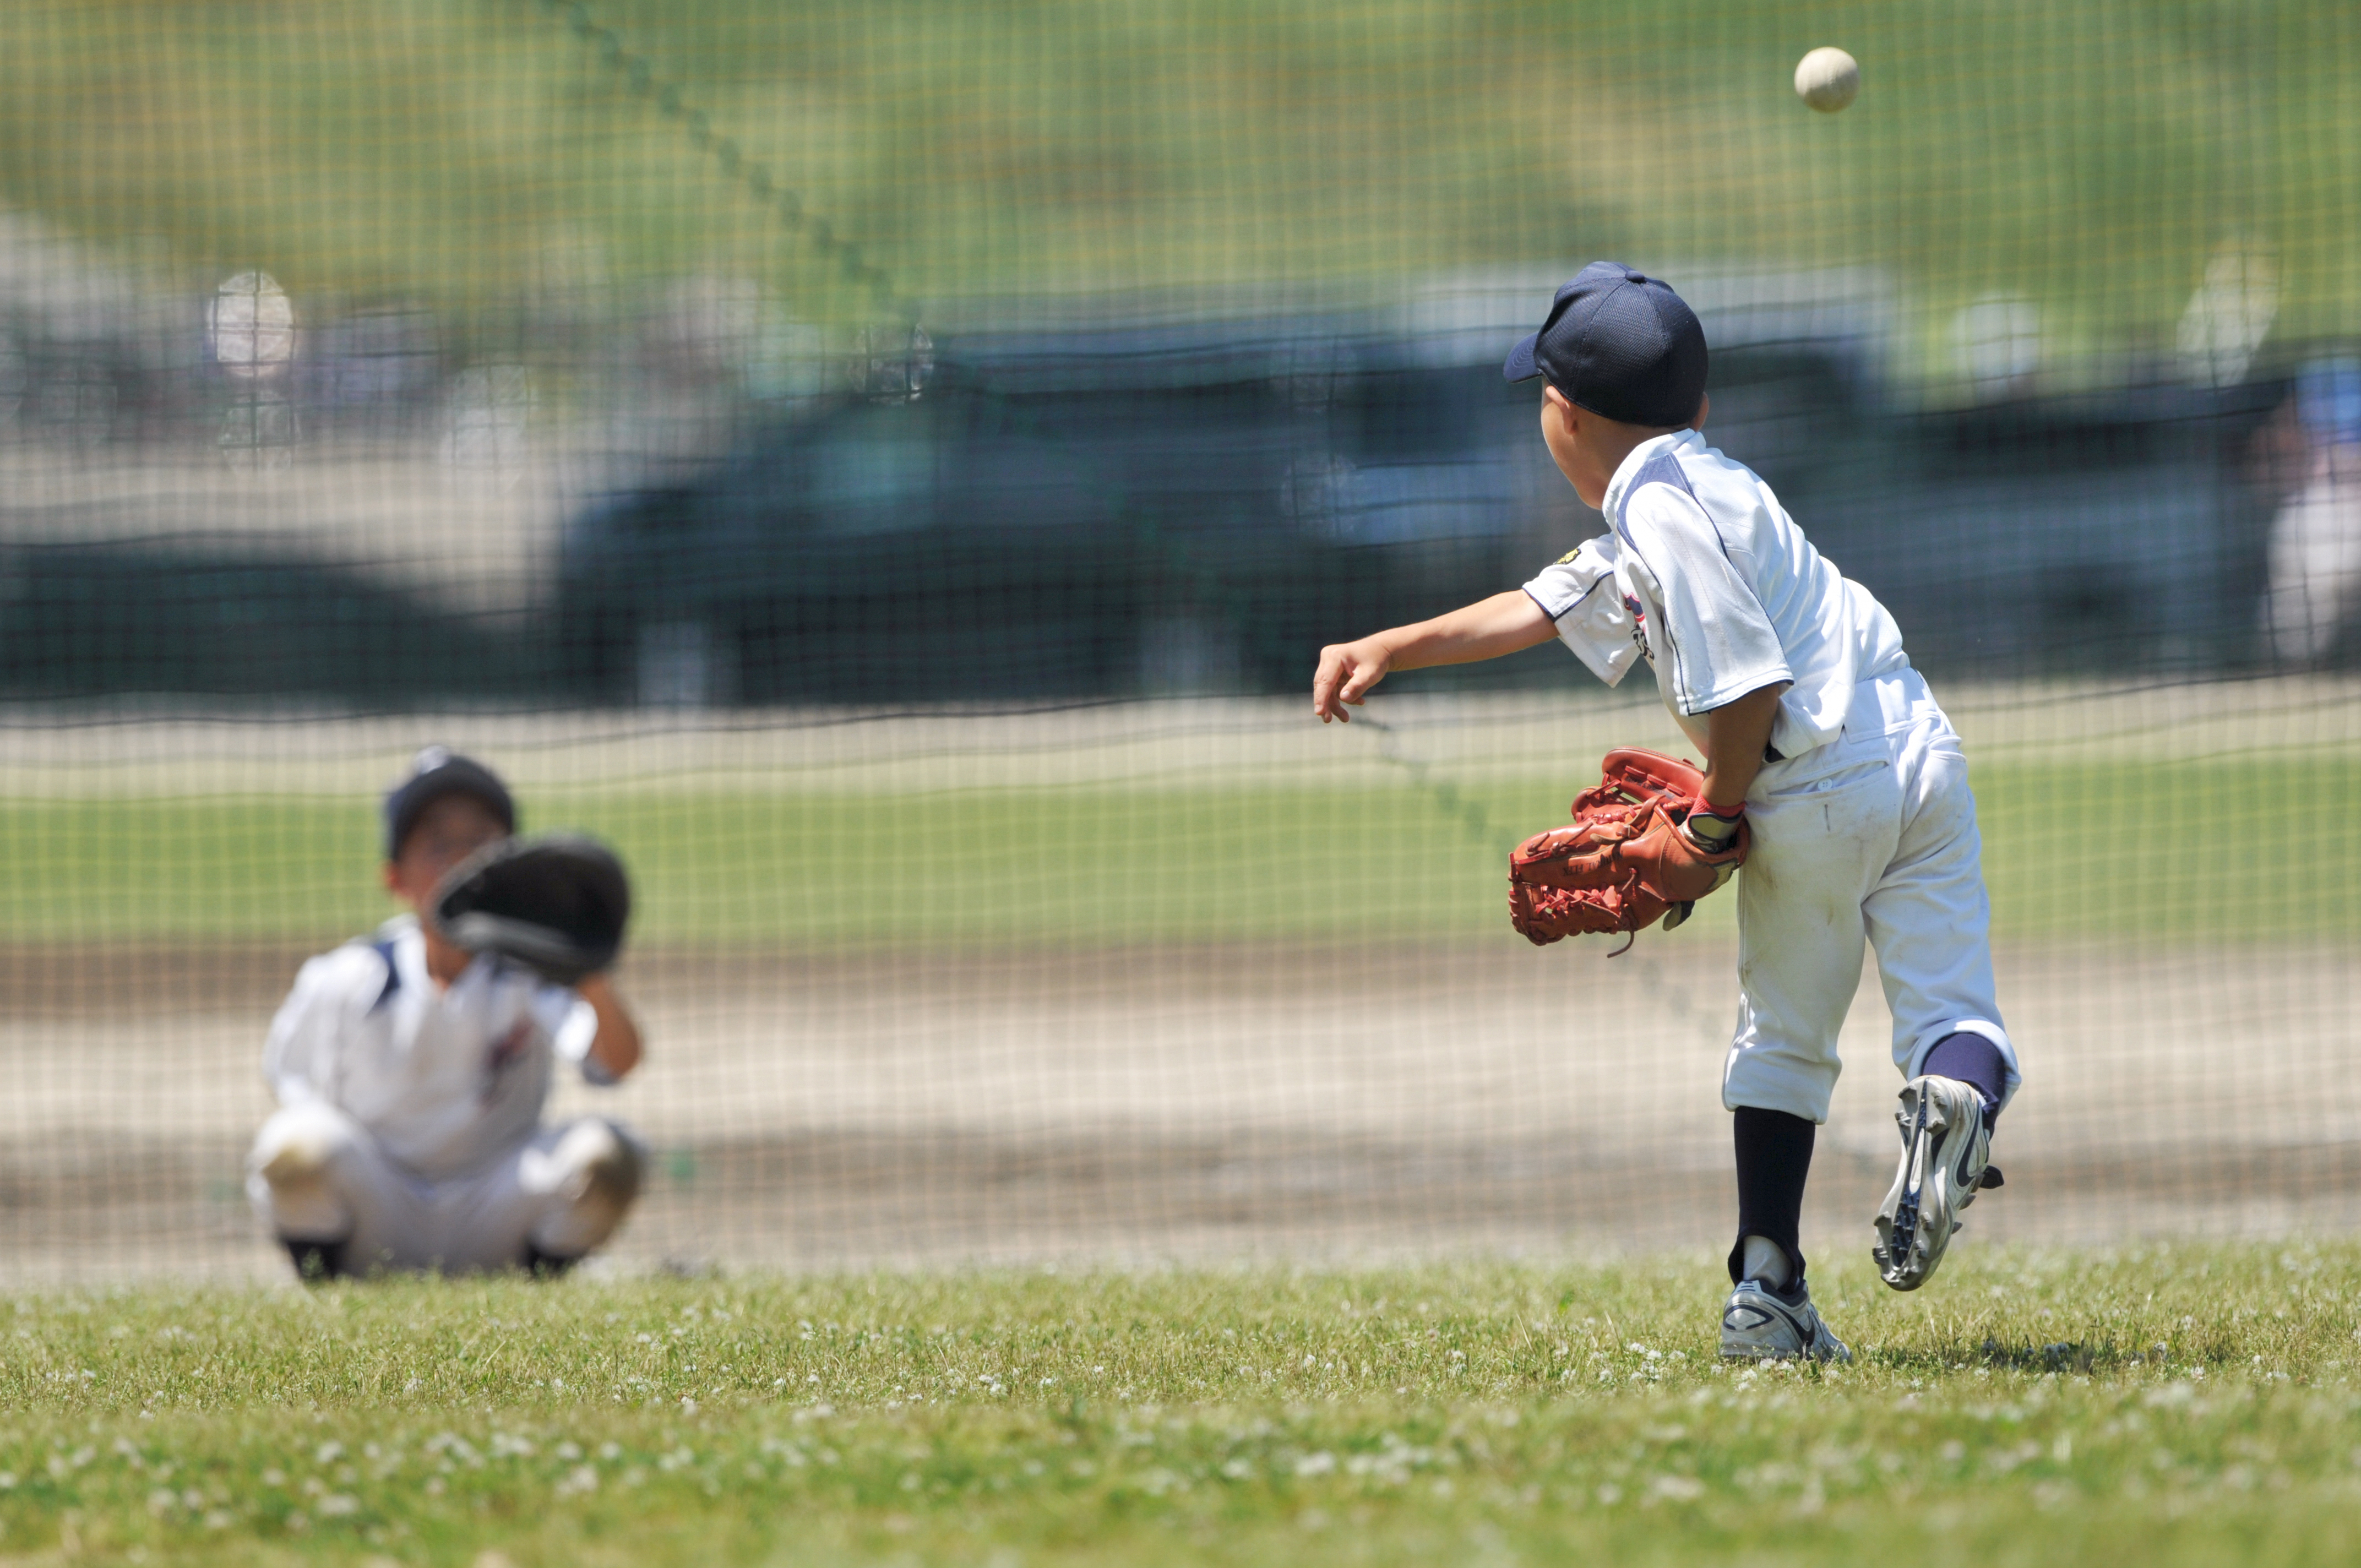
(1929, 919)
(1818, 848)
(556, 1199)
(329, 1194)
(590, 1172)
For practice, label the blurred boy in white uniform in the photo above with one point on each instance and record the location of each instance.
(411, 1076)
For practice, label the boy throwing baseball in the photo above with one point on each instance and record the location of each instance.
(410, 1075)
(1828, 767)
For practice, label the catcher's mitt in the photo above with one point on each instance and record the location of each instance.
(1624, 862)
(557, 904)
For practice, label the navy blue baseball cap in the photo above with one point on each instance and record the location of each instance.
(1622, 345)
(434, 774)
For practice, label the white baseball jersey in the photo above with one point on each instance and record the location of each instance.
(446, 1080)
(1706, 577)
(1864, 828)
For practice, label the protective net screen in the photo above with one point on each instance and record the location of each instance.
(890, 469)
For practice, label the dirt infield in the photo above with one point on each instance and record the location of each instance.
(1159, 1102)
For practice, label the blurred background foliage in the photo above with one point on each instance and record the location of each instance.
(472, 154)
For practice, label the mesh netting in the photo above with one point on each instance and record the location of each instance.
(889, 469)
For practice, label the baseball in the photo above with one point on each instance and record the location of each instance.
(1827, 79)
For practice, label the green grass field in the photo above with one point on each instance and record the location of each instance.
(2162, 1407)
(2167, 851)
(467, 153)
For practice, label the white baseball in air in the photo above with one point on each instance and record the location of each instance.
(1827, 79)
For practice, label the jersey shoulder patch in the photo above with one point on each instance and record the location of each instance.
(1664, 468)
(384, 950)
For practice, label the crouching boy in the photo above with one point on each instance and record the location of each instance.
(411, 1076)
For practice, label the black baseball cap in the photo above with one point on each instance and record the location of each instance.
(1619, 344)
(434, 774)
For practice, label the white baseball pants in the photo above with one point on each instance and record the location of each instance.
(1871, 839)
(317, 1175)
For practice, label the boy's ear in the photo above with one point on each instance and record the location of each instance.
(1705, 407)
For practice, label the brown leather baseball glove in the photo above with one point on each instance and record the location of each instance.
(1624, 862)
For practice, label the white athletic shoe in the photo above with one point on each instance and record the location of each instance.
(1944, 1146)
(1759, 1324)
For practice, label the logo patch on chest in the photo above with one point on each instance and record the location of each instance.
(1639, 626)
(504, 1055)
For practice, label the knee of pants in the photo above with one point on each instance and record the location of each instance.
(593, 1169)
(302, 1143)
(611, 1163)
(1771, 1079)
(292, 1169)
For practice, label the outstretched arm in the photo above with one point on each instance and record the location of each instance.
(1505, 623)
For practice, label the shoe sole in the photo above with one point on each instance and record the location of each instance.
(1921, 1215)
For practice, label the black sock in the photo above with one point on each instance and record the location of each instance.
(1971, 1059)
(316, 1262)
(545, 1265)
(1774, 1157)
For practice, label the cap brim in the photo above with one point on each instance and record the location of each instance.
(1520, 366)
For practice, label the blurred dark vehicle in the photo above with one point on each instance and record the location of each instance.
(199, 618)
(1200, 510)
(2101, 534)
(1077, 515)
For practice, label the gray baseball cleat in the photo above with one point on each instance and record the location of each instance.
(1944, 1150)
(1759, 1324)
